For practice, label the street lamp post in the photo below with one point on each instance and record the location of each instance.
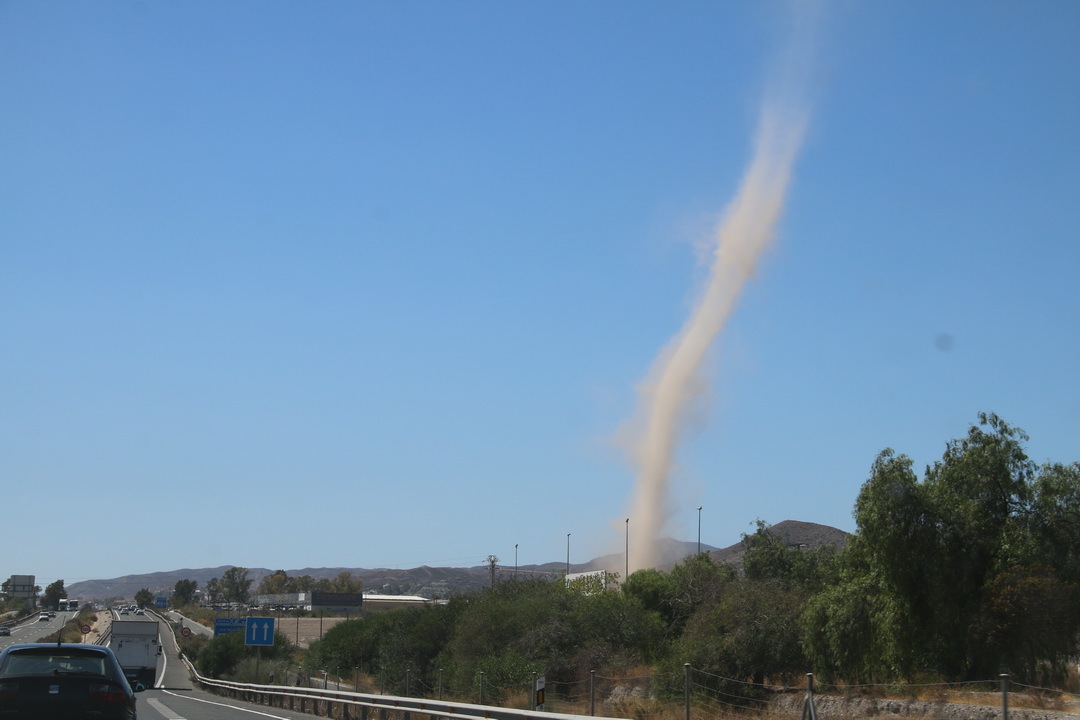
(698, 529)
(626, 553)
(515, 560)
(568, 554)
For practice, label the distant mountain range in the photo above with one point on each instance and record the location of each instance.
(441, 582)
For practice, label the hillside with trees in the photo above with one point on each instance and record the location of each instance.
(969, 571)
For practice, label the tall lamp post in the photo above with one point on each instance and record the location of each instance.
(567, 554)
(515, 560)
(698, 529)
(626, 553)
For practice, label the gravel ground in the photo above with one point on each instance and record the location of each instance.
(858, 708)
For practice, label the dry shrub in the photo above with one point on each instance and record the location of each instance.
(1037, 700)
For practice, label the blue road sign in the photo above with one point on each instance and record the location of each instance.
(228, 625)
(259, 631)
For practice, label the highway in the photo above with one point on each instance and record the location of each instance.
(173, 696)
(32, 630)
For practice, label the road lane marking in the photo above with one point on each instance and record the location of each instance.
(231, 707)
(164, 709)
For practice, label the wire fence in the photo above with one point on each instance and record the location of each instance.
(700, 695)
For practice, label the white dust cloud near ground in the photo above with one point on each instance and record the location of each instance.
(676, 385)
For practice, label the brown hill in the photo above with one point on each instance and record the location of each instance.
(441, 582)
(792, 533)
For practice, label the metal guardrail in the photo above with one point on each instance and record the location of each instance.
(360, 706)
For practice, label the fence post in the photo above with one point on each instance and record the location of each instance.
(1004, 677)
(440, 683)
(408, 682)
(592, 692)
(686, 688)
(809, 712)
(481, 688)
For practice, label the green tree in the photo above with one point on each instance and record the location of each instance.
(938, 578)
(343, 582)
(304, 583)
(54, 592)
(848, 631)
(751, 633)
(980, 496)
(144, 598)
(221, 655)
(213, 591)
(766, 557)
(276, 583)
(1029, 623)
(236, 585)
(696, 581)
(610, 625)
(655, 590)
(184, 592)
(1055, 519)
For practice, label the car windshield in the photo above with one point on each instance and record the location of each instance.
(53, 664)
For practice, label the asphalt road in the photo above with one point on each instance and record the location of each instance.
(33, 630)
(175, 698)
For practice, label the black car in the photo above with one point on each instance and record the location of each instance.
(50, 681)
(5, 630)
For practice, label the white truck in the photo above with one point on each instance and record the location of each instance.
(135, 644)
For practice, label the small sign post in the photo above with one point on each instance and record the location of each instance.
(538, 691)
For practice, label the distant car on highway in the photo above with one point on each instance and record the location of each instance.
(44, 617)
(53, 680)
(5, 630)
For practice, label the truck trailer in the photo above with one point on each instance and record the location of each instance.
(135, 644)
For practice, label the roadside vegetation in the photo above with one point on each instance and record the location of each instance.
(969, 571)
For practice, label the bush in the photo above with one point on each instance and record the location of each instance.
(221, 656)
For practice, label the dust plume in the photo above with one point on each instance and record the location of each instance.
(676, 383)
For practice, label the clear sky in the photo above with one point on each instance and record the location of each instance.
(373, 284)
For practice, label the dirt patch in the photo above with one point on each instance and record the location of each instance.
(304, 631)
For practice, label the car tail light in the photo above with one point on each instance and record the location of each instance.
(8, 691)
(107, 693)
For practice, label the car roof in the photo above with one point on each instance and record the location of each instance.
(70, 648)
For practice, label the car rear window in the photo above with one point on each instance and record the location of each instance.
(37, 663)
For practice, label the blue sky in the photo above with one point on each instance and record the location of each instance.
(372, 284)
